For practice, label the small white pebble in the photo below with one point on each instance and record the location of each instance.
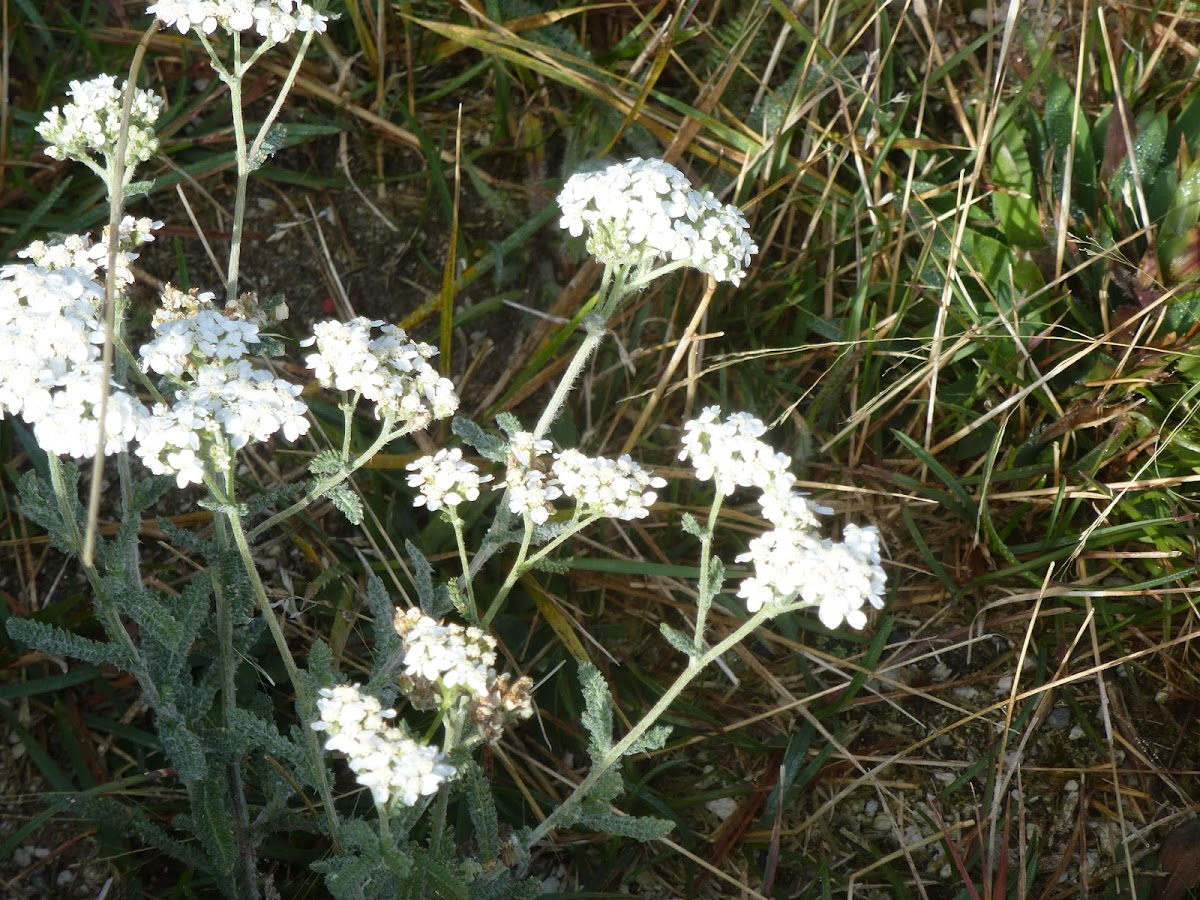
(943, 777)
(1161, 697)
(722, 807)
(1004, 685)
(871, 808)
(1071, 786)
(1075, 734)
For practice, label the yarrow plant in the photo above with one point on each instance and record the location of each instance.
(200, 389)
(382, 757)
(644, 210)
(88, 127)
(50, 371)
(275, 20)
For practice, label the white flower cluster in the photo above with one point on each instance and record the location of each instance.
(443, 659)
(445, 479)
(530, 493)
(276, 20)
(77, 251)
(730, 452)
(792, 562)
(182, 344)
(389, 369)
(445, 664)
(89, 125)
(618, 488)
(382, 757)
(223, 409)
(220, 400)
(51, 335)
(179, 305)
(646, 209)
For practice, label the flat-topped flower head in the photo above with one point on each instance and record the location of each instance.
(796, 564)
(50, 369)
(617, 488)
(204, 336)
(275, 20)
(387, 368)
(90, 258)
(88, 126)
(530, 492)
(445, 479)
(383, 758)
(443, 660)
(221, 409)
(646, 209)
(69, 426)
(792, 563)
(730, 452)
(452, 664)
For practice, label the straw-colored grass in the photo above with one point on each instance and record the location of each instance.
(972, 322)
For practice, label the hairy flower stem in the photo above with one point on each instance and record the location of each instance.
(322, 487)
(469, 611)
(515, 571)
(306, 702)
(612, 290)
(595, 334)
(706, 590)
(227, 666)
(525, 562)
(112, 620)
(234, 82)
(695, 666)
(452, 723)
(247, 156)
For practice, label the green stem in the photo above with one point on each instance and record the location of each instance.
(612, 289)
(227, 666)
(695, 666)
(471, 611)
(595, 334)
(284, 89)
(234, 81)
(322, 487)
(611, 285)
(453, 724)
(515, 571)
(706, 592)
(385, 829)
(306, 702)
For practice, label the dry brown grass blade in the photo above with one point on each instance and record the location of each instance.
(686, 347)
(388, 130)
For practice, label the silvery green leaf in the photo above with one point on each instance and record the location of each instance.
(487, 445)
(653, 739)
(555, 566)
(690, 525)
(640, 828)
(678, 639)
(328, 462)
(348, 503)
